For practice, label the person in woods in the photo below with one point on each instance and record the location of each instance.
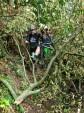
(33, 39)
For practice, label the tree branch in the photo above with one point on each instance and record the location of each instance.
(79, 106)
(32, 86)
(26, 78)
(25, 94)
(7, 84)
(75, 54)
(34, 73)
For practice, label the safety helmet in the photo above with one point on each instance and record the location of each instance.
(32, 27)
(46, 27)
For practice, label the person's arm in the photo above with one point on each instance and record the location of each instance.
(27, 38)
(26, 41)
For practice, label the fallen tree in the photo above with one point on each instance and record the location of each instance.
(12, 92)
(29, 90)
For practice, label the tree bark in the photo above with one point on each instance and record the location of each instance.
(32, 86)
(7, 84)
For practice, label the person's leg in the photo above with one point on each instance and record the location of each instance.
(41, 60)
(30, 50)
(33, 49)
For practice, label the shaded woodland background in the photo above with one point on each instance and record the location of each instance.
(60, 87)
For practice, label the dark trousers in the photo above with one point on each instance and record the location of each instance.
(32, 49)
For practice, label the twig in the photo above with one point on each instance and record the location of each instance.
(34, 73)
(79, 106)
(26, 78)
(74, 86)
(29, 55)
(72, 83)
(75, 54)
(7, 84)
(26, 49)
(32, 86)
(80, 86)
(33, 65)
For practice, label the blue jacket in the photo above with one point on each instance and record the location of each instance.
(47, 41)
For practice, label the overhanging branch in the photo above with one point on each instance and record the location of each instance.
(32, 86)
(22, 58)
(74, 54)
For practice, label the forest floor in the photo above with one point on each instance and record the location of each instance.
(30, 105)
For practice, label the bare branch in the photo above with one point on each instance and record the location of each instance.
(32, 86)
(13, 93)
(7, 84)
(75, 54)
(79, 106)
(25, 94)
(34, 73)
(26, 78)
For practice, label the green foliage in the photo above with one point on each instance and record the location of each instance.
(5, 99)
(2, 53)
(21, 22)
(63, 17)
(17, 68)
(4, 103)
